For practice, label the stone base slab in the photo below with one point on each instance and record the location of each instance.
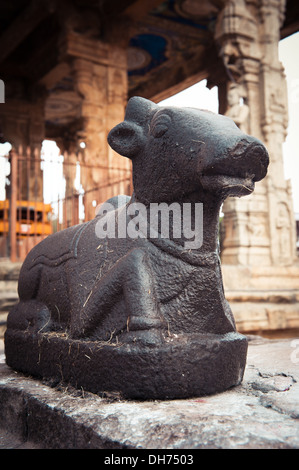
(265, 311)
(263, 299)
(260, 413)
(179, 367)
(260, 277)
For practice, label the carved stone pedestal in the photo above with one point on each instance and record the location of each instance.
(183, 365)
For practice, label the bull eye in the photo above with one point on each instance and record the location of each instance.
(159, 130)
(160, 125)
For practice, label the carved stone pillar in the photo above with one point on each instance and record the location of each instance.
(100, 77)
(274, 121)
(259, 266)
(248, 34)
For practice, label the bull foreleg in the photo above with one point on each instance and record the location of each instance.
(131, 277)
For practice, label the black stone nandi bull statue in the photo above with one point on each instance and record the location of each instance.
(143, 315)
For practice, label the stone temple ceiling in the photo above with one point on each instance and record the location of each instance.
(170, 45)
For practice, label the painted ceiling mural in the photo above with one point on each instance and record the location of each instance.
(171, 32)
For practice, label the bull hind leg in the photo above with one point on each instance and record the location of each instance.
(29, 314)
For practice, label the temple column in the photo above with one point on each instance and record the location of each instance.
(248, 34)
(274, 122)
(100, 78)
(258, 246)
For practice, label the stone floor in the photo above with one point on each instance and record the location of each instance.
(9, 440)
(263, 412)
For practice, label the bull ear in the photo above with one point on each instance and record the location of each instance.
(139, 110)
(126, 138)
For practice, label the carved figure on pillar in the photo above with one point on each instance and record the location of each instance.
(284, 234)
(237, 110)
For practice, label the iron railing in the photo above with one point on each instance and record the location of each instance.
(39, 196)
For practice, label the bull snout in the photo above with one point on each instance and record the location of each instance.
(237, 167)
(248, 156)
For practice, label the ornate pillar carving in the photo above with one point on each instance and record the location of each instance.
(258, 246)
(259, 229)
(274, 122)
